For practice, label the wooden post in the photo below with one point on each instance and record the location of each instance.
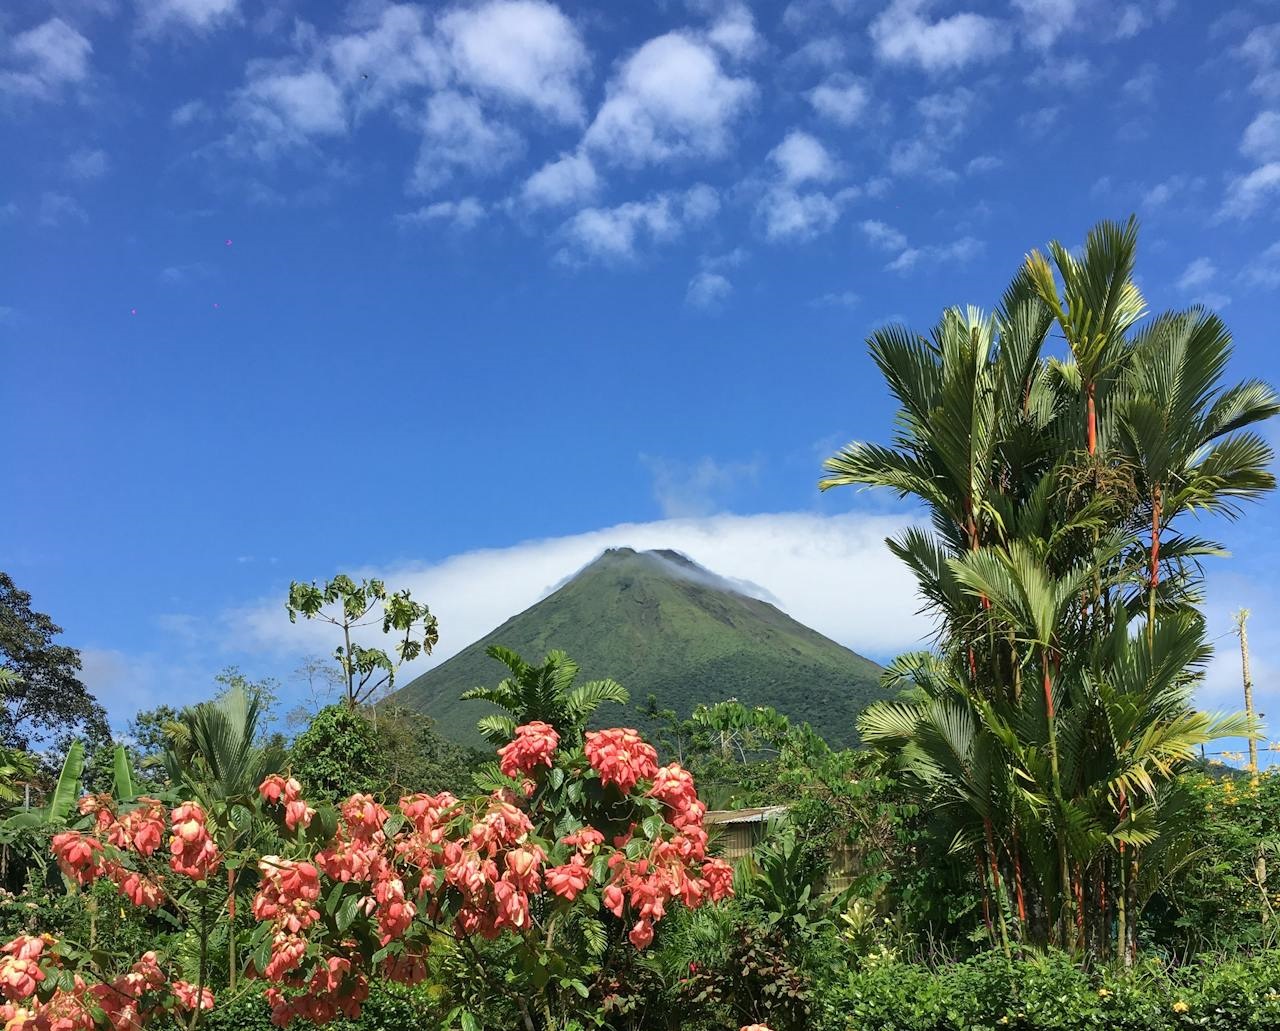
(1241, 617)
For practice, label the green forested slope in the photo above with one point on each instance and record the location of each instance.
(663, 625)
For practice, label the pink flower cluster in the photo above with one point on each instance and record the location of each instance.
(475, 868)
(125, 1003)
(621, 756)
(534, 745)
(84, 858)
(194, 852)
(276, 790)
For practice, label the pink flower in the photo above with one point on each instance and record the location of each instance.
(534, 745)
(621, 757)
(186, 995)
(568, 881)
(79, 857)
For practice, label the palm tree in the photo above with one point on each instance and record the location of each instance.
(1029, 565)
(216, 756)
(1180, 429)
(1098, 304)
(546, 693)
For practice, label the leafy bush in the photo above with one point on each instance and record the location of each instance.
(1051, 993)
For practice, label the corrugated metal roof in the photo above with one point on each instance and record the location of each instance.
(758, 815)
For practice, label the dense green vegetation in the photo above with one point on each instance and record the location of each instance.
(1028, 837)
(667, 628)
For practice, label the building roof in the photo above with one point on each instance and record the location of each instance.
(731, 816)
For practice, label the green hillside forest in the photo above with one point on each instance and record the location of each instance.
(665, 626)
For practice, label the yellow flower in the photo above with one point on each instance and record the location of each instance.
(1180, 1007)
(1104, 993)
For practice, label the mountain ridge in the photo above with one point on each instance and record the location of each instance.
(659, 623)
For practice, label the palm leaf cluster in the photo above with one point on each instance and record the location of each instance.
(1047, 726)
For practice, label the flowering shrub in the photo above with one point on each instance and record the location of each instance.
(571, 836)
(574, 854)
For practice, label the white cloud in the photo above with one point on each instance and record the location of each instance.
(902, 34)
(1043, 21)
(787, 214)
(1040, 122)
(1261, 140)
(199, 15)
(708, 290)
(189, 113)
(87, 164)
(521, 50)
(1198, 274)
(1265, 271)
(1261, 49)
(295, 105)
(884, 236)
(461, 214)
(42, 61)
(613, 234)
(1071, 73)
(801, 158)
(944, 117)
(841, 98)
(58, 208)
(1131, 20)
(964, 249)
(983, 163)
(1140, 88)
(837, 299)
(696, 489)
(1171, 189)
(670, 99)
(456, 135)
(1247, 194)
(804, 563)
(571, 179)
(381, 59)
(734, 32)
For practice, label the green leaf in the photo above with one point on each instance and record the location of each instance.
(122, 784)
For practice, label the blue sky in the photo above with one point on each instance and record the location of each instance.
(462, 293)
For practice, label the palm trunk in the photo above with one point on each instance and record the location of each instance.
(1157, 512)
(1091, 417)
(1064, 866)
(231, 930)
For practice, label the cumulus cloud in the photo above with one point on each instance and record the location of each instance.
(1043, 21)
(903, 34)
(944, 117)
(57, 209)
(884, 236)
(964, 249)
(801, 158)
(1261, 50)
(1248, 194)
(1198, 274)
(1261, 140)
(787, 214)
(1070, 73)
(734, 32)
(87, 164)
(458, 136)
(156, 16)
(708, 290)
(460, 214)
(570, 179)
(805, 562)
(522, 50)
(670, 99)
(43, 61)
(1265, 271)
(615, 234)
(841, 98)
